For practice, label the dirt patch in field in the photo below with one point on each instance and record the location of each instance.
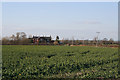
(97, 46)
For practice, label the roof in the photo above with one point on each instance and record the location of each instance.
(42, 37)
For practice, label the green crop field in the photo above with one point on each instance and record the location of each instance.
(35, 61)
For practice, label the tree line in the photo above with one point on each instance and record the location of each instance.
(20, 38)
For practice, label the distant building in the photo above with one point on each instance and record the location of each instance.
(41, 40)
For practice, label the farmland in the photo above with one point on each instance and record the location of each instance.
(35, 61)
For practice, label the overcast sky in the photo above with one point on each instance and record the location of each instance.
(80, 20)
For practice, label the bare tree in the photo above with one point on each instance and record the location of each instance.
(105, 41)
(23, 35)
(5, 40)
(111, 41)
(17, 35)
(13, 37)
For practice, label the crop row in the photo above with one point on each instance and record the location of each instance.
(30, 61)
